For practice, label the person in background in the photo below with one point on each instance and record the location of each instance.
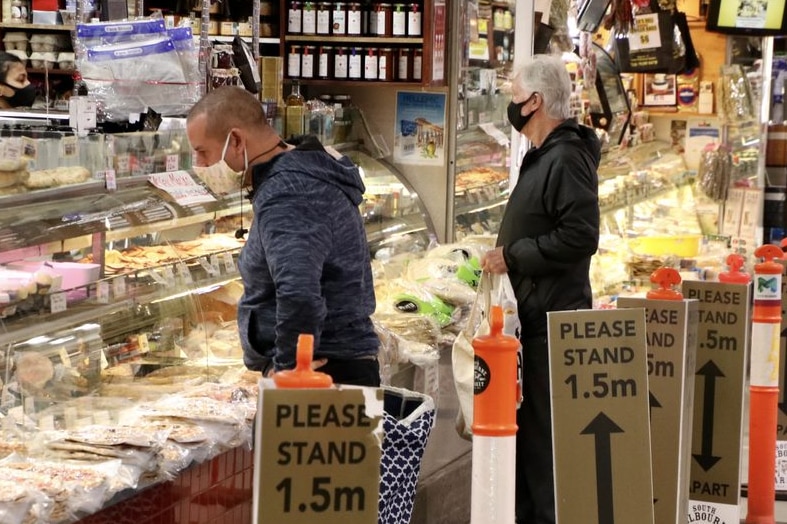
(15, 88)
(549, 231)
(306, 266)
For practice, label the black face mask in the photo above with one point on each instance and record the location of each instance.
(515, 114)
(23, 96)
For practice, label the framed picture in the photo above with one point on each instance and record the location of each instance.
(659, 89)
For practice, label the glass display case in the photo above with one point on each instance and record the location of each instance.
(115, 300)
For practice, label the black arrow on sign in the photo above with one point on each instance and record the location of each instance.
(602, 426)
(654, 402)
(705, 459)
(783, 403)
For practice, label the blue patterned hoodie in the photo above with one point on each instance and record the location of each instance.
(306, 266)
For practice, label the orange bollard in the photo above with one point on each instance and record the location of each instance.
(764, 385)
(303, 376)
(494, 425)
(665, 277)
(735, 275)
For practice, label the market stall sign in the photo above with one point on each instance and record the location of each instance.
(601, 433)
(672, 345)
(181, 187)
(317, 457)
(722, 334)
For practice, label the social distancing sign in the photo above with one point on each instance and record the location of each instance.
(671, 354)
(600, 410)
(722, 334)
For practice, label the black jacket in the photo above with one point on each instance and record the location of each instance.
(551, 225)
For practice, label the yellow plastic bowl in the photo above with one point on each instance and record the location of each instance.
(677, 245)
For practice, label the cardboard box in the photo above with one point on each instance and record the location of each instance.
(271, 78)
(45, 17)
(228, 28)
(213, 27)
(244, 29)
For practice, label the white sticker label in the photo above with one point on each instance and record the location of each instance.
(119, 286)
(102, 292)
(214, 263)
(110, 180)
(207, 266)
(57, 302)
(229, 263)
(173, 163)
(104, 361)
(169, 275)
(184, 273)
(645, 34)
(70, 147)
(154, 273)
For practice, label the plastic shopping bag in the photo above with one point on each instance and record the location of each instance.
(493, 290)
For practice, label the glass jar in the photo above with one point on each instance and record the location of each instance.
(384, 20)
(385, 64)
(354, 16)
(404, 64)
(294, 18)
(414, 20)
(324, 18)
(325, 61)
(339, 18)
(342, 118)
(418, 56)
(371, 69)
(399, 20)
(309, 18)
(340, 63)
(307, 61)
(294, 62)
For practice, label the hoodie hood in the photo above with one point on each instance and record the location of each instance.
(323, 166)
(584, 136)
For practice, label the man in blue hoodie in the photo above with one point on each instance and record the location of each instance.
(306, 266)
(549, 231)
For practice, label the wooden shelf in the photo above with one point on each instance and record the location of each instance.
(661, 112)
(52, 72)
(36, 27)
(352, 83)
(353, 39)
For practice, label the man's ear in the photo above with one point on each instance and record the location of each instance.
(6, 91)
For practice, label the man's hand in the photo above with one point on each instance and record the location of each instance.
(493, 261)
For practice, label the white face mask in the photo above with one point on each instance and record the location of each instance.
(219, 177)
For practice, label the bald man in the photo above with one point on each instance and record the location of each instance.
(306, 266)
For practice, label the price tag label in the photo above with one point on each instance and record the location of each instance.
(119, 286)
(169, 275)
(69, 146)
(104, 361)
(123, 164)
(154, 274)
(144, 345)
(184, 273)
(57, 302)
(172, 163)
(64, 358)
(229, 263)
(102, 292)
(13, 149)
(215, 264)
(207, 266)
(110, 180)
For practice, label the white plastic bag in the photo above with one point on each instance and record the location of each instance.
(493, 290)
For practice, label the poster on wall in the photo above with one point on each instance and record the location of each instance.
(419, 134)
